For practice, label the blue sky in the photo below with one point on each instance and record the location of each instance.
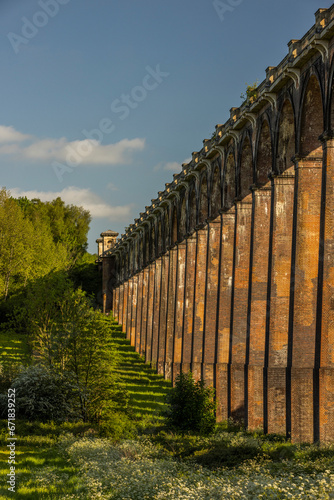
(102, 100)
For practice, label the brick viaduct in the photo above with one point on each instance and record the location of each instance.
(230, 271)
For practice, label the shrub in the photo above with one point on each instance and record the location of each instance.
(43, 395)
(191, 405)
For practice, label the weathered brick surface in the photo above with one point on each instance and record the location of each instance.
(200, 284)
(212, 286)
(326, 401)
(189, 302)
(120, 305)
(179, 304)
(282, 230)
(302, 404)
(139, 311)
(305, 294)
(258, 305)
(238, 392)
(143, 330)
(224, 313)
(125, 305)
(163, 314)
(116, 303)
(221, 391)
(170, 312)
(129, 309)
(283, 186)
(209, 373)
(134, 310)
(196, 369)
(156, 312)
(277, 400)
(326, 377)
(150, 312)
(246, 300)
(255, 397)
(240, 307)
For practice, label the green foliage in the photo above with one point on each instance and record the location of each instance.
(42, 394)
(118, 425)
(68, 224)
(37, 238)
(191, 405)
(69, 336)
(251, 93)
(85, 275)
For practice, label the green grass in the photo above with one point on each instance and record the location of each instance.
(41, 472)
(147, 389)
(231, 462)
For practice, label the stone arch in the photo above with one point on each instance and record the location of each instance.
(245, 177)
(264, 157)
(192, 209)
(311, 119)
(229, 193)
(216, 192)
(286, 145)
(203, 199)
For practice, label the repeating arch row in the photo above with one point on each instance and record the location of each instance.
(230, 271)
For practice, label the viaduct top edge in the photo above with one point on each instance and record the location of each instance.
(289, 69)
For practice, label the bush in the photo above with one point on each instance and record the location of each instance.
(191, 405)
(43, 395)
(117, 426)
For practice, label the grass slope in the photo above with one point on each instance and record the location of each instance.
(146, 388)
(41, 471)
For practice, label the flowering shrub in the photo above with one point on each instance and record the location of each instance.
(137, 470)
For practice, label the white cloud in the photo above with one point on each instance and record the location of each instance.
(73, 153)
(172, 166)
(9, 134)
(83, 198)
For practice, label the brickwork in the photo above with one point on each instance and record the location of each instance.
(230, 272)
(170, 312)
(189, 303)
(156, 314)
(282, 228)
(309, 176)
(258, 306)
(163, 315)
(240, 307)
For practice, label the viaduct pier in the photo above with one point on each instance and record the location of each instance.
(230, 271)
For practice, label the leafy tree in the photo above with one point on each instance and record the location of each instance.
(85, 275)
(14, 250)
(191, 405)
(69, 336)
(68, 224)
